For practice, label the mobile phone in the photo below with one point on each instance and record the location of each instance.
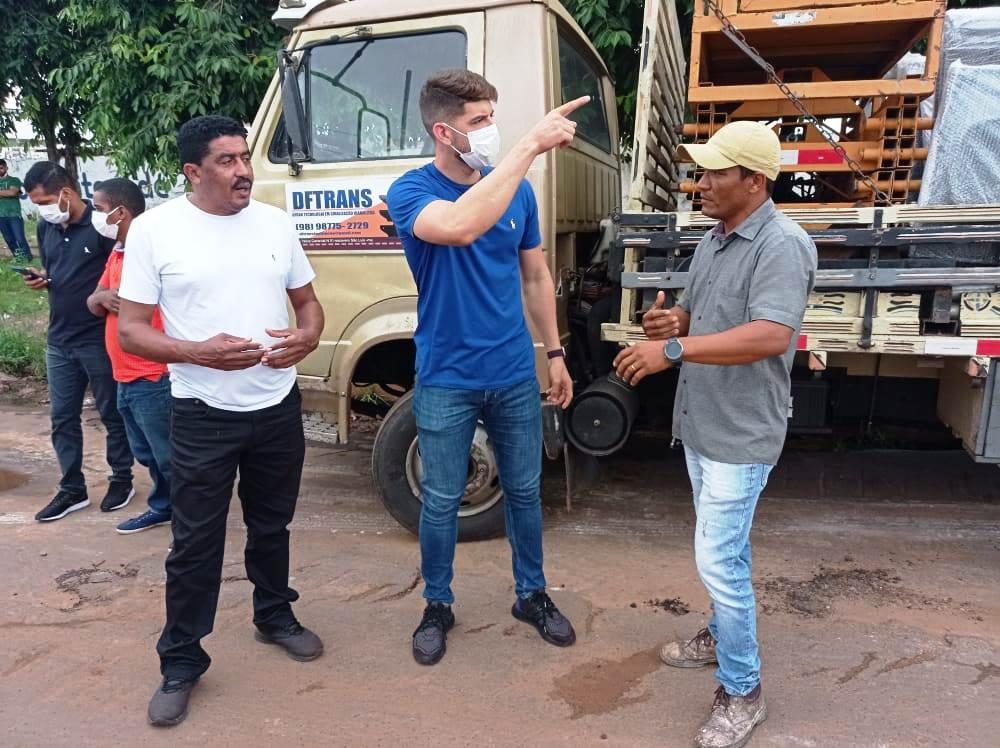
(26, 272)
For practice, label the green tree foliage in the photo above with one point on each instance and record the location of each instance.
(35, 43)
(149, 65)
(615, 29)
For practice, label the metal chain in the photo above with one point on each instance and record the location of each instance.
(828, 133)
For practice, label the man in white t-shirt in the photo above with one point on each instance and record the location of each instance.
(222, 269)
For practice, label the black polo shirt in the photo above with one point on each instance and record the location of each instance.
(74, 257)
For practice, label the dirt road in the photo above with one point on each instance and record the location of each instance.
(878, 580)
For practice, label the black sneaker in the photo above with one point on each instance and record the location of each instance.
(539, 610)
(169, 705)
(63, 503)
(298, 642)
(430, 638)
(119, 494)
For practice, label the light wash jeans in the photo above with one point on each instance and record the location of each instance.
(446, 423)
(725, 496)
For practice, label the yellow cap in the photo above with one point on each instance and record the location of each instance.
(748, 144)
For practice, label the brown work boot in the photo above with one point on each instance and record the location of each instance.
(732, 720)
(697, 652)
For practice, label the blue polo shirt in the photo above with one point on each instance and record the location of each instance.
(471, 332)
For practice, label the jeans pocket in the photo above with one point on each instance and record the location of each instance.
(186, 408)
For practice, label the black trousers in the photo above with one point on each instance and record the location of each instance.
(209, 446)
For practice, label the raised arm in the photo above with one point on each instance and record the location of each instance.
(461, 222)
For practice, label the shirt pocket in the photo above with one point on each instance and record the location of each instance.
(730, 309)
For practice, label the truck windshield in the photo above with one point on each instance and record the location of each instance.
(363, 95)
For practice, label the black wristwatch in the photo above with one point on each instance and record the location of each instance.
(673, 351)
(556, 353)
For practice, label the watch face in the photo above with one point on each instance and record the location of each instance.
(674, 350)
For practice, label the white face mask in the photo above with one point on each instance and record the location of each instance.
(53, 213)
(485, 145)
(100, 223)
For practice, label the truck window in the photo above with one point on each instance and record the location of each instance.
(579, 78)
(363, 96)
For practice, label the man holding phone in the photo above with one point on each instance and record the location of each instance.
(73, 256)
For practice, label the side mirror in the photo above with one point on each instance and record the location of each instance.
(296, 125)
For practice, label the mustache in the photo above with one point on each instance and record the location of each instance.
(242, 182)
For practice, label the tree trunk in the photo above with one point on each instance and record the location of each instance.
(72, 163)
(51, 147)
(47, 128)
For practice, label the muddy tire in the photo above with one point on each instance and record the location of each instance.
(397, 469)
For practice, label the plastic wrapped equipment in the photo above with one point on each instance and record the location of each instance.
(962, 166)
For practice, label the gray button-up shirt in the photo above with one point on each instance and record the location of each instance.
(763, 269)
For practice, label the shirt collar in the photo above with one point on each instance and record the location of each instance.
(84, 218)
(751, 225)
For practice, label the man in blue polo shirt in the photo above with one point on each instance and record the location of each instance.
(471, 238)
(73, 256)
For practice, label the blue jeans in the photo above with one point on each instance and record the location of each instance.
(725, 496)
(12, 230)
(145, 408)
(446, 423)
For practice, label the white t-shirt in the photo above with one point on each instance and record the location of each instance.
(218, 274)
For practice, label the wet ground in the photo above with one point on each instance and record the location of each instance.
(878, 579)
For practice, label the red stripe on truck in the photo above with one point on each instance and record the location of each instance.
(803, 343)
(819, 156)
(988, 348)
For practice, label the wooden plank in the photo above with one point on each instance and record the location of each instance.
(628, 294)
(810, 91)
(660, 180)
(613, 332)
(673, 49)
(654, 200)
(670, 99)
(659, 109)
(665, 147)
(891, 215)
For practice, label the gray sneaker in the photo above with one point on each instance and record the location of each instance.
(732, 720)
(299, 643)
(169, 705)
(697, 652)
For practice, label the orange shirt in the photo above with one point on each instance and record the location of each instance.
(126, 367)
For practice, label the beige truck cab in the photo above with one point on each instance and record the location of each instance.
(341, 121)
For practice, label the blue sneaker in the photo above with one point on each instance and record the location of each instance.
(144, 521)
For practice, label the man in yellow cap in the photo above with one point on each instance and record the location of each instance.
(734, 330)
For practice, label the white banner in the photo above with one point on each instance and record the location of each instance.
(93, 171)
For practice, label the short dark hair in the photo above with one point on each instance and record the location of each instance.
(3, 162)
(194, 136)
(745, 172)
(120, 191)
(446, 93)
(50, 176)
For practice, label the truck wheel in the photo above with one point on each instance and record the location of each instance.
(397, 471)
